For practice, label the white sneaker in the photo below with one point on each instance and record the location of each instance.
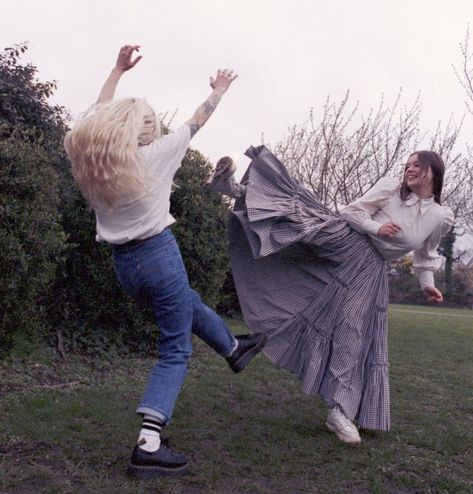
(345, 430)
(223, 171)
(221, 179)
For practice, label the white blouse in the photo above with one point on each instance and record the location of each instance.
(423, 223)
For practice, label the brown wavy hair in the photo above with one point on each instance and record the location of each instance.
(427, 159)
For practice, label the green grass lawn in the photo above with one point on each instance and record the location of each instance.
(70, 428)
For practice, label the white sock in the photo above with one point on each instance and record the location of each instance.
(235, 346)
(149, 438)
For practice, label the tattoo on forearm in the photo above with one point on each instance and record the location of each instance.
(193, 128)
(205, 110)
(210, 104)
(208, 107)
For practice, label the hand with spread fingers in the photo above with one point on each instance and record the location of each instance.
(219, 84)
(223, 79)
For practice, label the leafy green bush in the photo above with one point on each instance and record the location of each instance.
(228, 303)
(201, 228)
(31, 239)
(24, 102)
(87, 305)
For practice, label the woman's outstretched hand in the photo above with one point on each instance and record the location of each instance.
(389, 229)
(433, 294)
(219, 84)
(223, 79)
(124, 62)
(124, 59)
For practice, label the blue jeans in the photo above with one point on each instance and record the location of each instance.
(152, 272)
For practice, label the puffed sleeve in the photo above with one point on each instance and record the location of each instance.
(426, 259)
(359, 213)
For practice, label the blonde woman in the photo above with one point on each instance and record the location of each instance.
(125, 169)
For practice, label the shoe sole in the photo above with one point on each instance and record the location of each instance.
(245, 359)
(342, 437)
(221, 172)
(153, 472)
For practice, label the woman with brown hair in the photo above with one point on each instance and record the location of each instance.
(315, 282)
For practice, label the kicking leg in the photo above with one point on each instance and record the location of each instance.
(221, 179)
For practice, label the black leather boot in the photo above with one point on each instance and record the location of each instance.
(249, 345)
(163, 462)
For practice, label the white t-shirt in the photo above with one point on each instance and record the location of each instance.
(423, 223)
(149, 215)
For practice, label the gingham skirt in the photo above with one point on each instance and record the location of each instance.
(316, 287)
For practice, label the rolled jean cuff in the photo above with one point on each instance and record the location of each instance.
(234, 347)
(141, 410)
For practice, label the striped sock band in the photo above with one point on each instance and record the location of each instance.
(149, 438)
(151, 425)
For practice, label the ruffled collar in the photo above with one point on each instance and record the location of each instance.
(424, 204)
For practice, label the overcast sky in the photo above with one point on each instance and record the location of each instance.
(290, 55)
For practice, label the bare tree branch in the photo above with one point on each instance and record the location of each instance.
(343, 154)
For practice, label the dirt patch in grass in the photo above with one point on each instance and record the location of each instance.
(10, 388)
(39, 454)
(47, 461)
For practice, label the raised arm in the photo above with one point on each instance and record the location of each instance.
(219, 85)
(124, 62)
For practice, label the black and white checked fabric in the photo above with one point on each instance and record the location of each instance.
(316, 287)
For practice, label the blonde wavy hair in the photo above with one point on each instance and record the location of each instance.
(103, 149)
